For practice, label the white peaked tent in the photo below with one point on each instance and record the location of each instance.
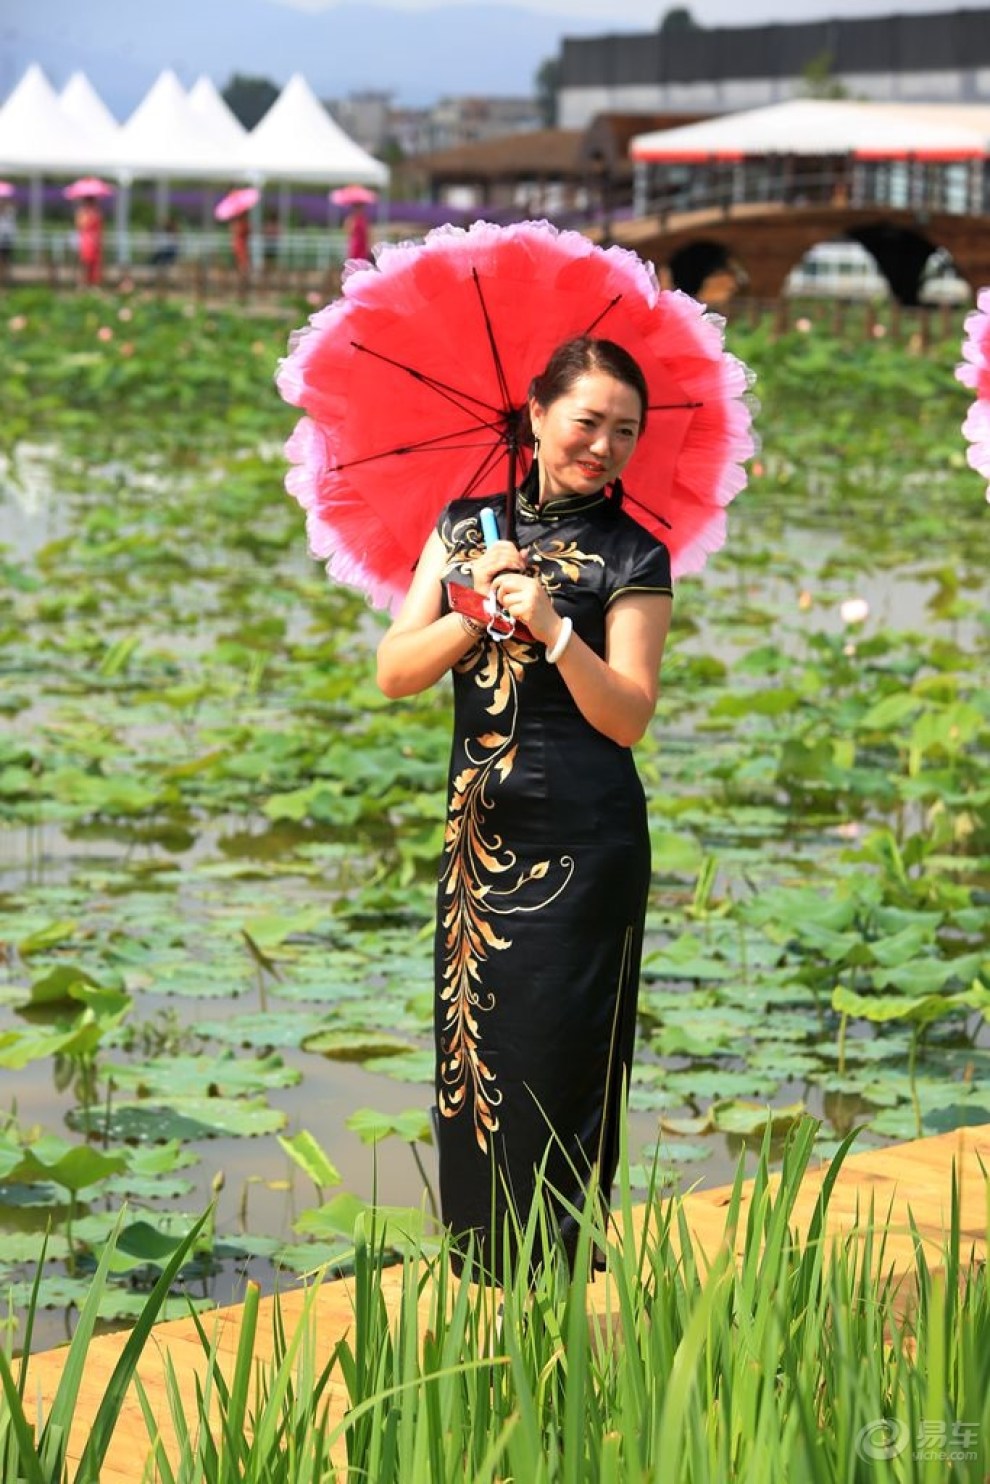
(297, 140)
(165, 138)
(814, 126)
(87, 110)
(38, 137)
(219, 120)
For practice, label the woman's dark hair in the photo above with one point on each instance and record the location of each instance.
(576, 358)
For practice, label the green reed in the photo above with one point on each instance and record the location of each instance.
(801, 1358)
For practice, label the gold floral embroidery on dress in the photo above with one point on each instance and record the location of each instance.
(567, 558)
(480, 879)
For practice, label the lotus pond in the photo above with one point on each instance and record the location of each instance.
(218, 840)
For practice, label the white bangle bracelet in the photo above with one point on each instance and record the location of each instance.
(561, 642)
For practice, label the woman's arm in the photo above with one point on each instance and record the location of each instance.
(424, 642)
(617, 694)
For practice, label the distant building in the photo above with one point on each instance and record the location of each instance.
(942, 57)
(366, 118)
(371, 119)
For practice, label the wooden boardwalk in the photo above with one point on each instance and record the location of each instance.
(913, 1178)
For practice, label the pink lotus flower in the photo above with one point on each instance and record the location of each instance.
(803, 325)
(104, 333)
(974, 372)
(125, 312)
(17, 322)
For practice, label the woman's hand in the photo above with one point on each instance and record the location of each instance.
(502, 556)
(526, 599)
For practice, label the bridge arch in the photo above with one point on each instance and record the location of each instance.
(765, 243)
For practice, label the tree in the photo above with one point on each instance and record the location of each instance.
(676, 21)
(249, 98)
(819, 80)
(547, 83)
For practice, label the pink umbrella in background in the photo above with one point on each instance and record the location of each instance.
(236, 203)
(353, 195)
(975, 373)
(88, 186)
(6, 189)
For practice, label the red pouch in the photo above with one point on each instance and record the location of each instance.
(467, 600)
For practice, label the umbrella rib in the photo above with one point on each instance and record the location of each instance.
(630, 499)
(482, 471)
(599, 317)
(503, 384)
(426, 445)
(442, 388)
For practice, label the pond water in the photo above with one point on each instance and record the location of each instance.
(176, 702)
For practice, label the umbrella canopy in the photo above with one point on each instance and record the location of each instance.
(413, 382)
(353, 195)
(87, 186)
(236, 202)
(7, 189)
(975, 373)
(819, 126)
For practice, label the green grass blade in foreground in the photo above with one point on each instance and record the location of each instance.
(12, 1441)
(20, 1453)
(103, 1424)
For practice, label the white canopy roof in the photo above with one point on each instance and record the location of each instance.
(83, 104)
(298, 140)
(171, 135)
(814, 126)
(215, 115)
(37, 136)
(166, 136)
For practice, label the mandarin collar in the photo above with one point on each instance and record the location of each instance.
(557, 509)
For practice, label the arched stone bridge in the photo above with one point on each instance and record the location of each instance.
(767, 240)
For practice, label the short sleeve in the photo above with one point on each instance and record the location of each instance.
(646, 570)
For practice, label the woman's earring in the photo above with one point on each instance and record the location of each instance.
(536, 442)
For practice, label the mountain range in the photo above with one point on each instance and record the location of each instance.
(417, 56)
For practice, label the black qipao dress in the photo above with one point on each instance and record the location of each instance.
(542, 892)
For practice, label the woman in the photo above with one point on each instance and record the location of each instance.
(545, 870)
(240, 244)
(358, 239)
(89, 238)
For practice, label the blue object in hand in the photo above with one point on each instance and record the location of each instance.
(489, 525)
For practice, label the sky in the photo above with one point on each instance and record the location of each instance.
(631, 14)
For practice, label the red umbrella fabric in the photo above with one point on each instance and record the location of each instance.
(975, 373)
(412, 381)
(236, 202)
(87, 186)
(353, 195)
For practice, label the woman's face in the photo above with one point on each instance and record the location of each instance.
(587, 436)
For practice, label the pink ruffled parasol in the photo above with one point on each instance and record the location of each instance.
(88, 187)
(413, 381)
(353, 195)
(7, 189)
(975, 373)
(236, 203)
